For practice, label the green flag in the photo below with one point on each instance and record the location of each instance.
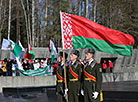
(15, 48)
(38, 72)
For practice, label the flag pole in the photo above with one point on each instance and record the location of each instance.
(65, 76)
(64, 59)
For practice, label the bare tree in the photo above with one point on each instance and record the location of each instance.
(0, 19)
(39, 25)
(28, 21)
(87, 8)
(94, 11)
(25, 15)
(84, 5)
(17, 21)
(81, 7)
(46, 14)
(33, 21)
(9, 23)
(78, 11)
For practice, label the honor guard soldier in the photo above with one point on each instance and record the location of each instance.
(60, 77)
(74, 75)
(92, 77)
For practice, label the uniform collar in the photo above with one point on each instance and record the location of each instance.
(73, 63)
(62, 64)
(90, 61)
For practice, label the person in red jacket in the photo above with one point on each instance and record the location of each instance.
(104, 66)
(110, 65)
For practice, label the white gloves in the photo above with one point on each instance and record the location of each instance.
(66, 90)
(95, 94)
(82, 92)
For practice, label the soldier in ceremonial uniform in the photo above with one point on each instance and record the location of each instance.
(60, 77)
(74, 75)
(92, 77)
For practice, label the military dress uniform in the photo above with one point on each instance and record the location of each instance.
(74, 75)
(92, 81)
(60, 82)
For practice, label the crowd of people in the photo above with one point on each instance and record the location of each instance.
(8, 67)
(107, 66)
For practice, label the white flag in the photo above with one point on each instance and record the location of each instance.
(21, 46)
(5, 44)
(23, 51)
(19, 64)
(12, 56)
(52, 48)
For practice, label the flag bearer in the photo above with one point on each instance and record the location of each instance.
(60, 77)
(92, 77)
(74, 75)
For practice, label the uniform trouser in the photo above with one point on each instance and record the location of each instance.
(60, 97)
(60, 92)
(88, 92)
(81, 98)
(74, 91)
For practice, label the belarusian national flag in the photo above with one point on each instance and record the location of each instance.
(15, 48)
(79, 32)
(29, 54)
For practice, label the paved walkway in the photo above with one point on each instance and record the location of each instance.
(112, 91)
(126, 91)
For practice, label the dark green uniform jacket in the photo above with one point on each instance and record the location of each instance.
(60, 82)
(74, 75)
(92, 81)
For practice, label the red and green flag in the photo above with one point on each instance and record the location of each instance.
(79, 32)
(29, 54)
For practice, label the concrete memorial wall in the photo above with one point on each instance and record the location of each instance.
(125, 67)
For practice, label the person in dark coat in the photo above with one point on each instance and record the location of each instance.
(74, 76)
(9, 67)
(92, 77)
(25, 65)
(60, 77)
